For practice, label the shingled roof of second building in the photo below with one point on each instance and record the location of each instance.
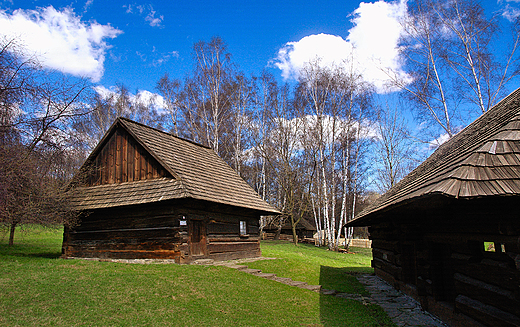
(199, 173)
(481, 160)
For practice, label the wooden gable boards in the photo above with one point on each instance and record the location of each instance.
(123, 159)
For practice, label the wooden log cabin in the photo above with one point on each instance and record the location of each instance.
(148, 194)
(448, 234)
(304, 230)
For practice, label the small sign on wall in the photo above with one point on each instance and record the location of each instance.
(182, 222)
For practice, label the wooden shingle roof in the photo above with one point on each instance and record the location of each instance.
(197, 172)
(480, 161)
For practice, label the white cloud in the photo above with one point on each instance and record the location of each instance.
(60, 40)
(146, 11)
(87, 5)
(154, 21)
(145, 97)
(104, 92)
(156, 58)
(293, 56)
(372, 43)
(152, 98)
(434, 144)
(510, 13)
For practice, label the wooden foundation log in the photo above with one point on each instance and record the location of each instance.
(487, 314)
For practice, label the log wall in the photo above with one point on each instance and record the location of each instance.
(224, 241)
(148, 232)
(449, 269)
(161, 231)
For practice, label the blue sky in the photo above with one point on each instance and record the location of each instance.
(151, 38)
(135, 42)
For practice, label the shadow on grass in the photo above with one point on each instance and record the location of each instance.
(332, 308)
(49, 255)
(27, 252)
(343, 279)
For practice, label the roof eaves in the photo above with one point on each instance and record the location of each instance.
(446, 157)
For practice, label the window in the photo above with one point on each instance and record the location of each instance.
(489, 246)
(243, 228)
(494, 247)
(183, 223)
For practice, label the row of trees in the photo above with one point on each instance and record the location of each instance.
(303, 147)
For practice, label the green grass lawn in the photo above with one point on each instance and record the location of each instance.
(316, 266)
(39, 289)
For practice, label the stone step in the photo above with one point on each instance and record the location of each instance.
(288, 281)
(238, 267)
(314, 288)
(251, 271)
(328, 292)
(265, 275)
(282, 279)
(296, 283)
(203, 262)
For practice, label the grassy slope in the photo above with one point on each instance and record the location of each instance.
(316, 266)
(37, 288)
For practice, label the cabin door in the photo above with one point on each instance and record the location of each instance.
(197, 237)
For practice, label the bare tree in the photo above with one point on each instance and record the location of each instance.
(449, 48)
(241, 99)
(277, 131)
(394, 150)
(170, 90)
(205, 98)
(33, 185)
(107, 105)
(266, 97)
(37, 155)
(213, 104)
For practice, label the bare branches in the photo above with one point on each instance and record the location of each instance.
(452, 61)
(394, 150)
(169, 89)
(37, 154)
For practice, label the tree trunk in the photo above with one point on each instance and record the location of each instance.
(277, 234)
(293, 226)
(11, 234)
(294, 235)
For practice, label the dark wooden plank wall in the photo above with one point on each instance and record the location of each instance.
(154, 231)
(122, 159)
(150, 231)
(486, 285)
(449, 269)
(224, 239)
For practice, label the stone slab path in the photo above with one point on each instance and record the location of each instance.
(402, 309)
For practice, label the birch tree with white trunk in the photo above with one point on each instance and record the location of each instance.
(455, 70)
(337, 100)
